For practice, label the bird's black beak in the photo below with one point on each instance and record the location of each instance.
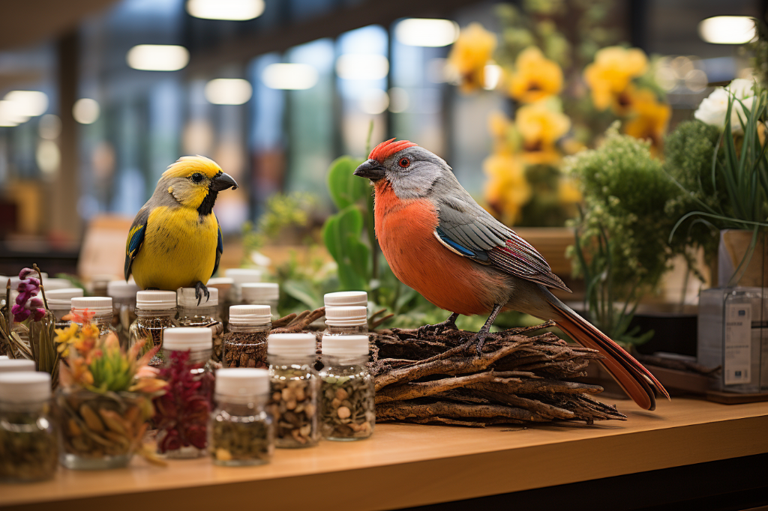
(371, 169)
(223, 181)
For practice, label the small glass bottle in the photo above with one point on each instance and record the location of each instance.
(181, 415)
(294, 388)
(245, 343)
(346, 299)
(155, 312)
(203, 315)
(124, 308)
(239, 277)
(240, 432)
(347, 320)
(60, 304)
(99, 283)
(262, 293)
(347, 392)
(223, 285)
(100, 307)
(28, 437)
(14, 365)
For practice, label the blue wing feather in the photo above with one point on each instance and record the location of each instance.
(135, 239)
(462, 250)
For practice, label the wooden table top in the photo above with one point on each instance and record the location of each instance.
(408, 465)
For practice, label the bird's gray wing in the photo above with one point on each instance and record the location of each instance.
(468, 230)
(135, 238)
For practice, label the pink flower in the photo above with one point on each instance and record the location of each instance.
(26, 272)
(20, 313)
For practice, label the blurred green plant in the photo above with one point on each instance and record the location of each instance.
(622, 239)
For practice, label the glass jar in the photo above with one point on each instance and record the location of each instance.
(29, 447)
(239, 277)
(294, 388)
(223, 285)
(346, 299)
(346, 320)
(181, 414)
(60, 304)
(245, 343)
(155, 312)
(240, 431)
(347, 391)
(100, 307)
(204, 315)
(99, 283)
(15, 365)
(262, 293)
(123, 308)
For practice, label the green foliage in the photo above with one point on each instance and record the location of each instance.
(622, 245)
(345, 188)
(112, 371)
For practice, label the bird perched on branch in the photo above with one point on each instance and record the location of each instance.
(441, 243)
(175, 240)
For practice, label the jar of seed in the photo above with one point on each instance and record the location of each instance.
(239, 277)
(294, 388)
(182, 413)
(347, 320)
(262, 293)
(204, 314)
(60, 304)
(346, 299)
(240, 431)
(155, 312)
(245, 343)
(29, 447)
(223, 285)
(99, 306)
(123, 308)
(347, 393)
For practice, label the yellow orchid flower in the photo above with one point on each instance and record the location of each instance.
(65, 337)
(650, 119)
(610, 74)
(540, 127)
(535, 77)
(470, 54)
(507, 190)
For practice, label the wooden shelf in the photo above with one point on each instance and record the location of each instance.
(409, 465)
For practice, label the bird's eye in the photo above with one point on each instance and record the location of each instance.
(197, 177)
(404, 163)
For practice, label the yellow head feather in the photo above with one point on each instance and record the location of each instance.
(188, 165)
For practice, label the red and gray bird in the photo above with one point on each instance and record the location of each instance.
(440, 242)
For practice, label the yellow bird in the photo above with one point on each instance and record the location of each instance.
(175, 240)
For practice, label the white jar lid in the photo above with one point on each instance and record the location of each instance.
(185, 297)
(61, 299)
(345, 345)
(346, 298)
(25, 387)
(243, 275)
(122, 289)
(13, 365)
(242, 382)
(97, 304)
(255, 291)
(156, 300)
(53, 284)
(185, 338)
(346, 316)
(292, 345)
(250, 314)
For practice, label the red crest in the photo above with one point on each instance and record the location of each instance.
(386, 149)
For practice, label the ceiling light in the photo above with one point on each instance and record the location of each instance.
(30, 103)
(157, 57)
(492, 76)
(362, 67)
(427, 32)
(374, 102)
(49, 127)
(234, 10)
(48, 156)
(289, 76)
(228, 91)
(727, 29)
(10, 114)
(86, 111)
(398, 100)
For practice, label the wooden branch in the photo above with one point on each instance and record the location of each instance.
(428, 388)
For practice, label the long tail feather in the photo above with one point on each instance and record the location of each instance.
(634, 378)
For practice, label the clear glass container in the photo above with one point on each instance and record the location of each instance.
(241, 429)
(205, 315)
(346, 329)
(181, 417)
(29, 444)
(151, 324)
(59, 315)
(346, 320)
(245, 343)
(100, 307)
(261, 293)
(59, 303)
(347, 394)
(294, 387)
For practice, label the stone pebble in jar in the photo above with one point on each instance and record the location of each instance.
(245, 343)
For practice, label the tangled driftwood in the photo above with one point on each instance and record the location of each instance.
(423, 376)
